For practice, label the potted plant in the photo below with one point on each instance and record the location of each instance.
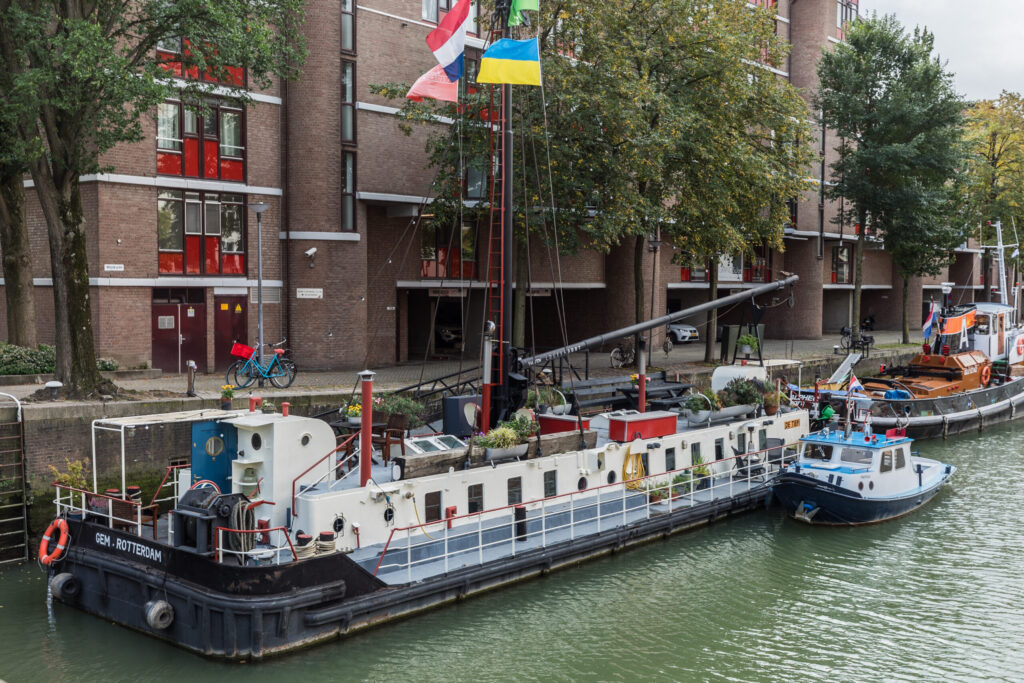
(353, 411)
(771, 403)
(681, 484)
(227, 392)
(502, 442)
(700, 472)
(747, 343)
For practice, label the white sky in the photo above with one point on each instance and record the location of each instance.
(979, 40)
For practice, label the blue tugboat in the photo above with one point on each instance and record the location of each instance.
(842, 477)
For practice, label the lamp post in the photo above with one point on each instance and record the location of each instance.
(653, 243)
(259, 209)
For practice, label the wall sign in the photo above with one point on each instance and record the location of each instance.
(309, 293)
(113, 267)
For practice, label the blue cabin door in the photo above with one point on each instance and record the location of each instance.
(214, 446)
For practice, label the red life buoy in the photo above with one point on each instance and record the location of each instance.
(986, 375)
(1020, 345)
(45, 556)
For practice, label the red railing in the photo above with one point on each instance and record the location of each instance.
(343, 444)
(163, 481)
(623, 484)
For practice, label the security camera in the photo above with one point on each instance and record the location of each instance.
(310, 252)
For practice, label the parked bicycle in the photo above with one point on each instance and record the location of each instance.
(847, 343)
(623, 354)
(279, 369)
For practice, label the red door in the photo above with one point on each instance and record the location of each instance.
(230, 324)
(179, 335)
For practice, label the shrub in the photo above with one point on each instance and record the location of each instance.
(499, 437)
(696, 404)
(743, 392)
(74, 476)
(108, 364)
(401, 405)
(20, 360)
(523, 426)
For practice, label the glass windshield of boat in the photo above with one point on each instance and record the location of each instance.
(860, 456)
(817, 451)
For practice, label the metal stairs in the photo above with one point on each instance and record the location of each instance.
(13, 492)
(843, 371)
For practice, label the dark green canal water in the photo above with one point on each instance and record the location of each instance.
(938, 595)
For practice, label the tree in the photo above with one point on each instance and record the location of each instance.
(655, 114)
(95, 73)
(893, 105)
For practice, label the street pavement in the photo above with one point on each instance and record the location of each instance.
(683, 358)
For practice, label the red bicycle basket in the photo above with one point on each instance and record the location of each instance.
(242, 350)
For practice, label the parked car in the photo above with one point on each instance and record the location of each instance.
(681, 333)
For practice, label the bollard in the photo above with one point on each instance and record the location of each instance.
(190, 368)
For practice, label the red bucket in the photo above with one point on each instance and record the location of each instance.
(242, 350)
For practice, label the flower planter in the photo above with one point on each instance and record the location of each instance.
(355, 421)
(225, 404)
(506, 453)
(746, 350)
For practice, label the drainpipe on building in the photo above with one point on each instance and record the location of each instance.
(285, 219)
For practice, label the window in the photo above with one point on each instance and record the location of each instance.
(550, 483)
(695, 271)
(901, 459)
(757, 268)
(741, 442)
(444, 253)
(348, 26)
(762, 440)
(348, 102)
(719, 449)
(515, 490)
(842, 273)
(348, 191)
(169, 53)
(200, 233)
(695, 456)
(428, 10)
(670, 459)
(432, 506)
(820, 452)
(201, 145)
(171, 45)
(886, 465)
(860, 456)
(168, 131)
(476, 498)
(846, 12)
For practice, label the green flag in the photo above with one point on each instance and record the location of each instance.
(515, 17)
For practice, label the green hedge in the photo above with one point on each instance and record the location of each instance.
(20, 360)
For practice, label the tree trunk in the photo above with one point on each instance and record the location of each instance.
(639, 244)
(519, 298)
(711, 330)
(17, 263)
(61, 203)
(858, 272)
(906, 318)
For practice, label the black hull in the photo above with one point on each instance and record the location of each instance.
(817, 502)
(253, 612)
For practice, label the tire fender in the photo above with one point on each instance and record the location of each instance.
(65, 586)
(159, 614)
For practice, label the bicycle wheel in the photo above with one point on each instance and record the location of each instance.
(245, 373)
(282, 373)
(616, 357)
(846, 342)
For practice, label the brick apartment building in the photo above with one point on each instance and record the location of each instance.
(351, 277)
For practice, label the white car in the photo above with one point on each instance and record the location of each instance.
(681, 333)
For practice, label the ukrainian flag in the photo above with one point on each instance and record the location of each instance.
(511, 61)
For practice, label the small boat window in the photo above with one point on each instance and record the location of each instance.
(476, 498)
(762, 440)
(432, 506)
(719, 449)
(819, 451)
(741, 442)
(981, 322)
(515, 490)
(670, 459)
(550, 483)
(886, 465)
(861, 456)
(901, 460)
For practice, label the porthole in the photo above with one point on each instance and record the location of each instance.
(339, 525)
(389, 514)
(256, 441)
(305, 439)
(214, 446)
(582, 483)
(611, 477)
(871, 485)
(860, 485)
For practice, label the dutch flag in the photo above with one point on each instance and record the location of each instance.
(448, 40)
(928, 321)
(855, 384)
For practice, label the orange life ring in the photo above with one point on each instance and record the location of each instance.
(1020, 345)
(45, 556)
(986, 375)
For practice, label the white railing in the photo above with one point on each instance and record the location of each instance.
(118, 512)
(465, 538)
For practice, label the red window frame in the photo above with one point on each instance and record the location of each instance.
(202, 252)
(837, 277)
(201, 152)
(170, 52)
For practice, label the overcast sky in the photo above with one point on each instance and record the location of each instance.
(980, 40)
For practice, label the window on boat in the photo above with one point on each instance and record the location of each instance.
(981, 322)
(819, 451)
(432, 506)
(886, 465)
(861, 456)
(741, 442)
(762, 440)
(550, 484)
(670, 458)
(901, 459)
(476, 498)
(515, 490)
(719, 449)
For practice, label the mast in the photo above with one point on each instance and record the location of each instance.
(1002, 264)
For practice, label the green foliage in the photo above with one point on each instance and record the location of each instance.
(401, 405)
(742, 392)
(544, 395)
(107, 364)
(747, 340)
(74, 476)
(663, 118)
(18, 360)
(499, 437)
(695, 403)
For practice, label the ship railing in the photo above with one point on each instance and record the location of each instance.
(264, 553)
(477, 537)
(171, 482)
(118, 512)
(331, 469)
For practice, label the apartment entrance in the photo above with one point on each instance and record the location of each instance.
(179, 329)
